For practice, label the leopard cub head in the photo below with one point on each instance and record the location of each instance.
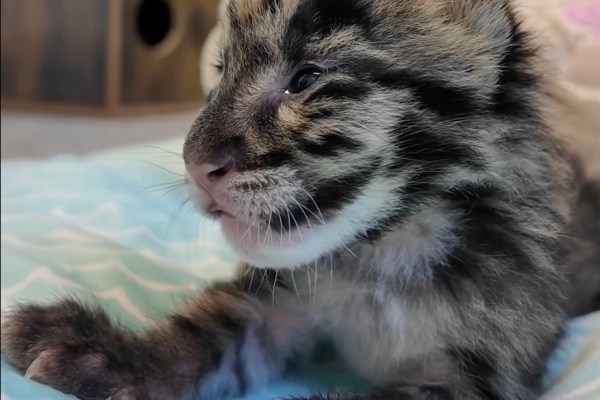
(334, 121)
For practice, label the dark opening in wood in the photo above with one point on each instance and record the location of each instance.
(154, 21)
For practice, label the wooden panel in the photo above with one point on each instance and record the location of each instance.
(54, 50)
(168, 71)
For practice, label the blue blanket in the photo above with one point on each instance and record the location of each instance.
(113, 226)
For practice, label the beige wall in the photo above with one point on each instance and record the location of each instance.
(572, 27)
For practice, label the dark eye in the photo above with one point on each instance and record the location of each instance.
(303, 80)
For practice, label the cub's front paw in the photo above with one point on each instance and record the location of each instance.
(75, 349)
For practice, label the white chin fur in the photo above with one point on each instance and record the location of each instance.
(313, 244)
(321, 239)
(308, 245)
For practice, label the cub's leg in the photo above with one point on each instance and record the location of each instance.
(229, 340)
(478, 379)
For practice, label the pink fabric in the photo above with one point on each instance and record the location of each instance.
(585, 14)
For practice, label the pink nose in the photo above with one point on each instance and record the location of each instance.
(209, 175)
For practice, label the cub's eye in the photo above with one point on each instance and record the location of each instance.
(303, 80)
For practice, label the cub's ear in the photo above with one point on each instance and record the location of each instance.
(222, 9)
(209, 55)
(209, 59)
(493, 20)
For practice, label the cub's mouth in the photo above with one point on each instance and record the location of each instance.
(261, 213)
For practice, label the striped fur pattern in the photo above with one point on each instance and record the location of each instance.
(406, 199)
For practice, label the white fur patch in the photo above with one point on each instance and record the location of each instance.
(323, 239)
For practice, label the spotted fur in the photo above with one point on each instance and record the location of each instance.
(410, 205)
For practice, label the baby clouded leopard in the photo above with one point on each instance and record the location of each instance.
(388, 172)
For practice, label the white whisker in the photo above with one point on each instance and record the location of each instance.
(296, 287)
(330, 272)
(275, 286)
(262, 280)
(315, 290)
(251, 279)
(309, 286)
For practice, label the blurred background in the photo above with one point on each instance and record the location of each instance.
(83, 75)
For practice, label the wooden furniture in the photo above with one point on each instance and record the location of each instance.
(103, 56)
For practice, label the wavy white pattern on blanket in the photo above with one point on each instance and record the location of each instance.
(44, 274)
(85, 225)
